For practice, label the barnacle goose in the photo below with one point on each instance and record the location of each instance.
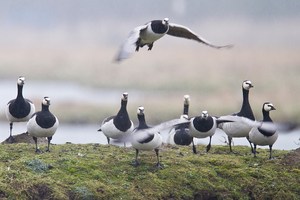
(152, 31)
(18, 109)
(42, 124)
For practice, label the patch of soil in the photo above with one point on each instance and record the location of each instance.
(205, 195)
(25, 138)
(3, 195)
(40, 191)
(292, 158)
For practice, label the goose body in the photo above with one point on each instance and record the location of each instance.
(154, 30)
(120, 125)
(239, 129)
(145, 140)
(43, 123)
(204, 126)
(19, 109)
(148, 138)
(259, 136)
(180, 135)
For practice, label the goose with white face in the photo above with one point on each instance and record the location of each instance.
(118, 126)
(19, 109)
(180, 135)
(143, 138)
(154, 30)
(263, 137)
(43, 124)
(238, 129)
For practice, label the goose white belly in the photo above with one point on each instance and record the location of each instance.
(35, 130)
(236, 129)
(259, 139)
(109, 130)
(153, 144)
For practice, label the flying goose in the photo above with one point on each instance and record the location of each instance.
(152, 31)
(19, 109)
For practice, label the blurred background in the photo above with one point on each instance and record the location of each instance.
(65, 49)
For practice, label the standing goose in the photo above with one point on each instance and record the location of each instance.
(259, 136)
(180, 135)
(42, 124)
(239, 129)
(152, 31)
(19, 109)
(205, 126)
(120, 125)
(147, 141)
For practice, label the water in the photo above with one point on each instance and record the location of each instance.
(61, 91)
(87, 133)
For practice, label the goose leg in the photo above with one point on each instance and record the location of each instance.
(37, 150)
(229, 142)
(270, 157)
(254, 150)
(150, 46)
(136, 162)
(209, 144)
(250, 144)
(158, 164)
(10, 128)
(194, 147)
(10, 138)
(108, 140)
(48, 147)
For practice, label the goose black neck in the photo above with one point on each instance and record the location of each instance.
(123, 103)
(246, 110)
(45, 107)
(20, 91)
(186, 109)
(123, 109)
(266, 116)
(245, 97)
(142, 122)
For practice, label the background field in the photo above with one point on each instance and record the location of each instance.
(74, 42)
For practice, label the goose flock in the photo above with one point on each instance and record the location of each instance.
(181, 131)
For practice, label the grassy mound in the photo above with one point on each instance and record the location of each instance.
(93, 171)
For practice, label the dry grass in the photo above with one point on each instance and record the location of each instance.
(212, 77)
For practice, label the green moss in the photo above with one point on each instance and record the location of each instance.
(93, 171)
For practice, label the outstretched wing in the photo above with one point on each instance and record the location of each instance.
(165, 125)
(129, 46)
(266, 126)
(143, 134)
(184, 32)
